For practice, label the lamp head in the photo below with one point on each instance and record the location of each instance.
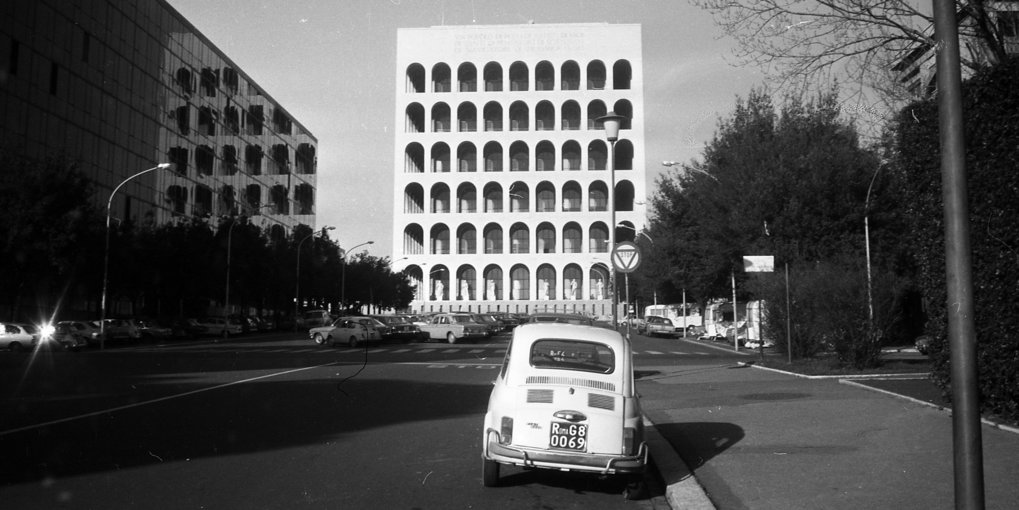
(611, 122)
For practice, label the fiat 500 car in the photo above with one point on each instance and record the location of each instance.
(565, 400)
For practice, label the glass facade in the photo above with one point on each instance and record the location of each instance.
(119, 87)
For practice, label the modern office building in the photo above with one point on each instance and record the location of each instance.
(916, 71)
(119, 87)
(503, 174)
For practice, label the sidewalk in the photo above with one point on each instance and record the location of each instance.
(762, 439)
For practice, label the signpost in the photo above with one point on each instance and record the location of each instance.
(625, 258)
(758, 264)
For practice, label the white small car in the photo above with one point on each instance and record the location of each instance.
(565, 400)
(345, 330)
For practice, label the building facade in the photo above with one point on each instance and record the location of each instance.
(916, 72)
(503, 177)
(119, 87)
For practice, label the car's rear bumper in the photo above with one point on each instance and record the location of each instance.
(566, 460)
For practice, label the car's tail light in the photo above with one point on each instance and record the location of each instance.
(506, 431)
(629, 441)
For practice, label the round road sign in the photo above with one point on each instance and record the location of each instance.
(625, 257)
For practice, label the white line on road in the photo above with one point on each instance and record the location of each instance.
(160, 399)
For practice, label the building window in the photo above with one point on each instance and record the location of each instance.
(209, 82)
(493, 240)
(521, 285)
(546, 238)
(546, 283)
(519, 239)
(572, 239)
(205, 159)
(253, 155)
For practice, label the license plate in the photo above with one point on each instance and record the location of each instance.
(568, 436)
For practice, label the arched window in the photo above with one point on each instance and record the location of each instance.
(467, 157)
(573, 282)
(415, 78)
(599, 277)
(571, 155)
(572, 197)
(545, 156)
(467, 118)
(493, 239)
(493, 157)
(570, 75)
(467, 77)
(467, 198)
(546, 282)
(414, 199)
(519, 239)
(493, 198)
(493, 77)
(493, 116)
(466, 279)
(520, 281)
(440, 198)
(570, 115)
(440, 118)
(596, 75)
(467, 240)
(544, 76)
(573, 238)
(413, 240)
(546, 198)
(440, 158)
(598, 195)
(441, 78)
(518, 76)
(519, 115)
(621, 75)
(599, 237)
(440, 240)
(493, 283)
(546, 238)
(544, 116)
(520, 157)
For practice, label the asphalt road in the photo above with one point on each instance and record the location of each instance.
(272, 422)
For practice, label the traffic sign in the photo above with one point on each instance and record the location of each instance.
(625, 257)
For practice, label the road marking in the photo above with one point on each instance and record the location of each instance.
(160, 399)
(401, 351)
(448, 351)
(653, 352)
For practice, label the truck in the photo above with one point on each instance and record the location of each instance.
(692, 320)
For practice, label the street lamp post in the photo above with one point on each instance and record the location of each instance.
(612, 122)
(229, 239)
(106, 249)
(866, 241)
(297, 271)
(343, 272)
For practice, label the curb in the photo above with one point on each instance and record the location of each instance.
(682, 491)
(848, 380)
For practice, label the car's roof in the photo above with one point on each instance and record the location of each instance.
(559, 317)
(533, 331)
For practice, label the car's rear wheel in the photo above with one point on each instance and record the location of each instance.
(450, 337)
(15, 347)
(490, 473)
(319, 339)
(352, 342)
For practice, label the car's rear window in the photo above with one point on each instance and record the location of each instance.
(573, 355)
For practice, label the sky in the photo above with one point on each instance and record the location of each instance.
(315, 56)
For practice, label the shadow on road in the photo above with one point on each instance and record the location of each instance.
(273, 413)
